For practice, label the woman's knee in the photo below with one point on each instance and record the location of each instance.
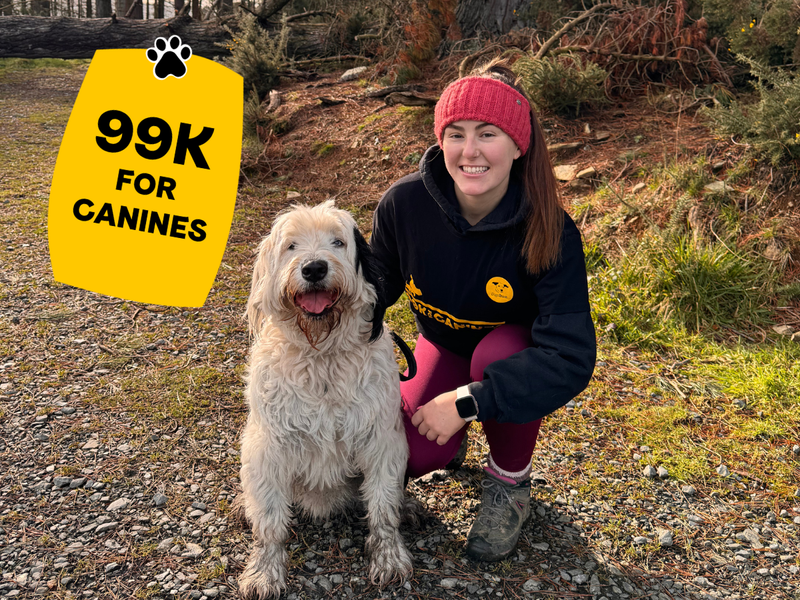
(499, 344)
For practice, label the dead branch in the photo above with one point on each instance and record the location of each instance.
(325, 59)
(621, 55)
(383, 92)
(274, 100)
(468, 63)
(272, 8)
(132, 8)
(570, 25)
(409, 99)
(309, 14)
(718, 67)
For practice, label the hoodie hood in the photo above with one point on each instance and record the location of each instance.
(510, 212)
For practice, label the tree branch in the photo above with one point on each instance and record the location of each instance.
(309, 13)
(571, 24)
(272, 8)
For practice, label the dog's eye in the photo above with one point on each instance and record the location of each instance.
(291, 246)
(338, 243)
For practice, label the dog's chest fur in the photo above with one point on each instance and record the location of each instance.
(329, 400)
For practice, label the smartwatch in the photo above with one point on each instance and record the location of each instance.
(465, 404)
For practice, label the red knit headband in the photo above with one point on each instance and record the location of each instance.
(486, 100)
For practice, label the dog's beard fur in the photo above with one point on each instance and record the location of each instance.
(317, 328)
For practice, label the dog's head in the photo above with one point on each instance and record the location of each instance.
(313, 270)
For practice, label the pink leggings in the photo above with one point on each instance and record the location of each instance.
(439, 371)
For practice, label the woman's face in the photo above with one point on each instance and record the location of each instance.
(478, 157)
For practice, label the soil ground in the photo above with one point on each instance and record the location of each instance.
(125, 401)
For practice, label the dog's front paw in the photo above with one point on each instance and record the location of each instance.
(264, 576)
(390, 560)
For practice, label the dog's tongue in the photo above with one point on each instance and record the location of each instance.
(315, 302)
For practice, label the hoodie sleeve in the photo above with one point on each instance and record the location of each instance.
(384, 245)
(538, 380)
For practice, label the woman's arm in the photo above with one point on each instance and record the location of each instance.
(558, 366)
(384, 245)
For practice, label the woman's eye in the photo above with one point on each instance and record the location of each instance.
(338, 243)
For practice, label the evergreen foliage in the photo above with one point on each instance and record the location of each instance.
(561, 84)
(256, 56)
(771, 125)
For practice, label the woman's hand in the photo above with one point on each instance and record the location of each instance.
(438, 420)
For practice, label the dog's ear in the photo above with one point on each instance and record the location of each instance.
(366, 262)
(255, 311)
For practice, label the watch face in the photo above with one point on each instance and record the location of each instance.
(466, 407)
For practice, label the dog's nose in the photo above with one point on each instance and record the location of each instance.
(314, 271)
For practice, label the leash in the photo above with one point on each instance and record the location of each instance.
(409, 356)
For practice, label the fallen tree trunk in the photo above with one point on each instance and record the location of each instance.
(62, 37)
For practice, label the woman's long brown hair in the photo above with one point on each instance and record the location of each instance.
(545, 221)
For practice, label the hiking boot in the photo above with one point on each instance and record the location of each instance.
(504, 509)
(458, 460)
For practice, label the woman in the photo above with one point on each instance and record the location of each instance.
(494, 271)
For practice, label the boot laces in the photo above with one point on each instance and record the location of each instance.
(500, 498)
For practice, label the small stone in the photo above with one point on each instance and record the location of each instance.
(664, 537)
(662, 472)
(565, 172)
(67, 410)
(106, 527)
(740, 403)
(211, 592)
(345, 543)
(602, 136)
(540, 546)
(796, 449)
(531, 585)
(589, 173)
(688, 490)
(638, 188)
(448, 583)
(783, 330)
(77, 483)
(61, 482)
(92, 444)
(640, 540)
(718, 166)
(352, 74)
(723, 471)
(120, 504)
(291, 195)
(159, 500)
(717, 187)
(580, 578)
(192, 551)
(111, 567)
(650, 472)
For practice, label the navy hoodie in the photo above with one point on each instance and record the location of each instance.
(463, 281)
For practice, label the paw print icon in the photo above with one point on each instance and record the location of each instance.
(169, 56)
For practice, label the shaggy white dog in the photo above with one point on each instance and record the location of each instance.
(324, 395)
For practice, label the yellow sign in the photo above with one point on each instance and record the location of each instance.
(145, 183)
(499, 290)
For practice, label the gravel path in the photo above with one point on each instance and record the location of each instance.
(118, 463)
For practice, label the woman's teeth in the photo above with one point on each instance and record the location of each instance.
(474, 170)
